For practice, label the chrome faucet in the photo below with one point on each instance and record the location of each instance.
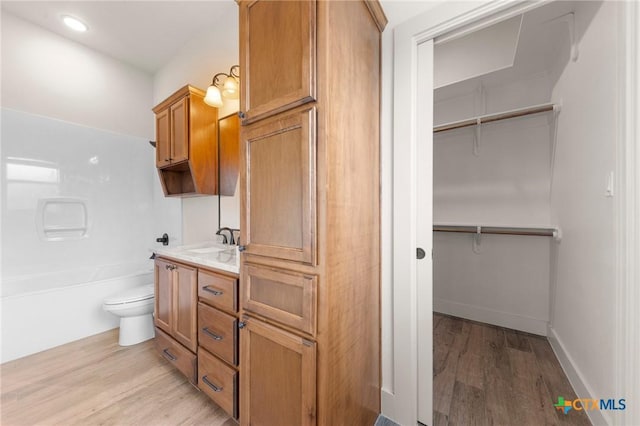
(226, 240)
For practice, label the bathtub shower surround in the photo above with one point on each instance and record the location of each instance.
(77, 206)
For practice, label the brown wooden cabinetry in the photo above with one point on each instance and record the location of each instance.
(280, 190)
(196, 318)
(310, 212)
(218, 338)
(278, 378)
(186, 143)
(176, 313)
(278, 56)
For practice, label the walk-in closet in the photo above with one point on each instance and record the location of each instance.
(524, 154)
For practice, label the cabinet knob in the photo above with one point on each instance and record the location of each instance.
(241, 115)
(242, 248)
(242, 324)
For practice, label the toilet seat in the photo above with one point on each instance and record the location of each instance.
(136, 294)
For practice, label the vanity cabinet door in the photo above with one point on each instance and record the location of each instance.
(278, 187)
(185, 299)
(278, 56)
(163, 315)
(176, 302)
(278, 378)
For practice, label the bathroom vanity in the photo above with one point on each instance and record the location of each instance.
(196, 317)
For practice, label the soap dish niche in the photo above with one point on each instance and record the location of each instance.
(62, 218)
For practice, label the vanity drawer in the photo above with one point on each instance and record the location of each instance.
(218, 333)
(218, 290)
(286, 297)
(181, 358)
(218, 381)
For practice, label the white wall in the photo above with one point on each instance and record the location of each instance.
(214, 50)
(504, 280)
(584, 302)
(46, 74)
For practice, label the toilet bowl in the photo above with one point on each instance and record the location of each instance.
(134, 307)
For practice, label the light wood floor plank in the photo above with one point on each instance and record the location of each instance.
(96, 382)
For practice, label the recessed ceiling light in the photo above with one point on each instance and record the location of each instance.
(74, 23)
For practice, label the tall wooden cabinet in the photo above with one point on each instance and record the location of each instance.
(310, 212)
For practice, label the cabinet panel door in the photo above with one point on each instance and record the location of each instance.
(180, 130)
(278, 56)
(163, 139)
(286, 297)
(279, 187)
(278, 378)
(185, 321)
(163, 295)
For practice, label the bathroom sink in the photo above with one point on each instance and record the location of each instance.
(206, 250)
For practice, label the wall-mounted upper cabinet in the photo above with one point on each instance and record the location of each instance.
(279, 60)
(187, 146)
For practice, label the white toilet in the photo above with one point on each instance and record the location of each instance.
(134, 307)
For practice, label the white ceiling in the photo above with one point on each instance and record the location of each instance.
(145, 34)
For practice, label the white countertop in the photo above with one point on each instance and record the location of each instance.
(209, 254)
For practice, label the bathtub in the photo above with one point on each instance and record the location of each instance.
(41, 311)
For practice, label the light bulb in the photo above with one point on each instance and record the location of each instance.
(230, 88)
(213, 97)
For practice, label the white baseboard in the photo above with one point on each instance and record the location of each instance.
(387, 400)
(576, 378)
(489, 316)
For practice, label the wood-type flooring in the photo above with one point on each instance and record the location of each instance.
(483, 375)
(488, 375)
(94, 381)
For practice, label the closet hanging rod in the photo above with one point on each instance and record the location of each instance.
(488, 118)
(503, 230)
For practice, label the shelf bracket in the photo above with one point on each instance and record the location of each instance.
(476, 137)
(476, 240)
(553, 137)
(557, 234)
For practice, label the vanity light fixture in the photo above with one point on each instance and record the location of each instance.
(74, 23)
(223, 86)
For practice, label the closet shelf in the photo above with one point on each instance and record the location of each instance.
(488, 118)
(503, 230)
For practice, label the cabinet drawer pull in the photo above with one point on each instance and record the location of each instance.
(170, 267)
(210, 290)
(211, 334)
(168, 355)
(211, 385)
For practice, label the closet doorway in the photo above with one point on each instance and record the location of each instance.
(524, 182)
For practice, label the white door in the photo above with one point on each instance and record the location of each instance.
(424, 229)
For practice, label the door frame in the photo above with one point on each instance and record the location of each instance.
(402, 404)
